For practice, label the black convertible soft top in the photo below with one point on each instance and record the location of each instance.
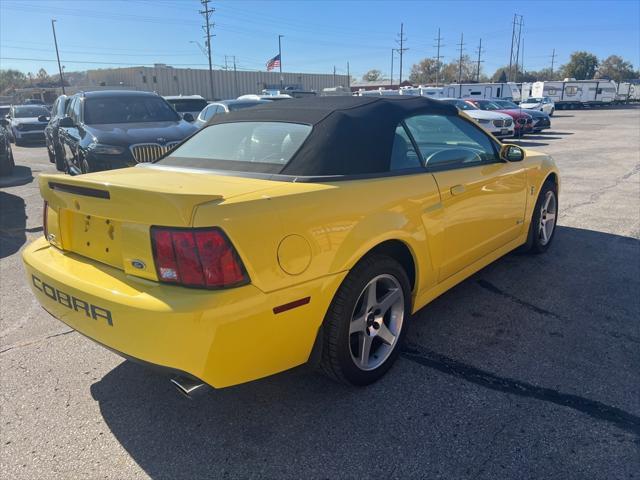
(350, 135)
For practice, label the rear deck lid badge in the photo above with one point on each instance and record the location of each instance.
(139, 264)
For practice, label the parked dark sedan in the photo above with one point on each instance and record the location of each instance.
(114, 129)
(6, 154)
(54, 147)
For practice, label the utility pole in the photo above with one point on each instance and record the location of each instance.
(235, 77)
(461, 45)
(438, 57)
(391, 81)
(280, 56)
(553, 59)
(206, 13)
(334, 75)
(401, 50)
(518, 21)
(479, 62)
(225, 63)
(55, 40)
(348, 77)
(522, 69)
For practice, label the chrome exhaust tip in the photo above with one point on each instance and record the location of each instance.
(187, 386)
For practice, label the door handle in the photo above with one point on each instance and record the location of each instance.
(457, 189)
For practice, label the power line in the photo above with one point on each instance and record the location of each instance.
(401, 50)
(438, 56)
(206, 13)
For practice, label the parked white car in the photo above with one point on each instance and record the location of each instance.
(27, 123)
(183, 104)
(498, 124)
(544, 104)
(222, 107)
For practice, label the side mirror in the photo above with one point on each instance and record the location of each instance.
(188, 117)
(43, 118)
(511, 153)
(66, 122)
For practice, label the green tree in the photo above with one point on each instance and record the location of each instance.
(423, 72)
(449, 73)
(42, 76)
(581, 66)
(12, 79)
(372, 76)
(615, 68)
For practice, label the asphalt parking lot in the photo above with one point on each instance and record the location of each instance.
(529, 369)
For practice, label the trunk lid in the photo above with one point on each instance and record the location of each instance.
(106, 216)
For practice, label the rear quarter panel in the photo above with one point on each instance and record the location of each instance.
(339, 221)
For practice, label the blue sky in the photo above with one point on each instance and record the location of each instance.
(317, 34)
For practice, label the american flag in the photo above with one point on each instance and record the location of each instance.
(273, 63)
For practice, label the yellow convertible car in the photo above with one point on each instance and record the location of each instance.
(301, 231)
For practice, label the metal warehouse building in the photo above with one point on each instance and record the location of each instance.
(167, 80)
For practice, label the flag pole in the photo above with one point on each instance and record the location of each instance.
(280, 56)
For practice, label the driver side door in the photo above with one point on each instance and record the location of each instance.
(483, 197)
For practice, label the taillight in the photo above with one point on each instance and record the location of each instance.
(45, 217)
(198, 257)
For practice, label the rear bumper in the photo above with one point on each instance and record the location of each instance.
(33, 136)
(222, 337)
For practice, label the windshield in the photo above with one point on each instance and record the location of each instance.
(261, 147)
(485, 105)
(461, 104)
(188, 104)
(506, 104)
(129, 109)
(241, 105)
(26, 112)
(534, 100)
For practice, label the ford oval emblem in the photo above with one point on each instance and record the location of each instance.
(139, 264)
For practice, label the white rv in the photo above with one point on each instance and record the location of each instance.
(572, 93)
(423, 91)
(505, 91)
(627, 92)
(381, 92)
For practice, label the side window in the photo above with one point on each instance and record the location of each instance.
(403, 155)
(447, 142)
(75, 110)
(67, 110)
(54, 108)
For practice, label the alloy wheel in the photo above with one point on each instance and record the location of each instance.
(376, 322)
(548, 214)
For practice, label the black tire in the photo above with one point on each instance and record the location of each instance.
(84, 165)
(337, 361)
(535, 241)
(19, 143)
(552, 111)
(52, 157)
(6, 168)
(58, 158)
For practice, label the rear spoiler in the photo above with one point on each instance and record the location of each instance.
(156, 205)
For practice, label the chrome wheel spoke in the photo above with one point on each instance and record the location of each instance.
(358, 325)
(364, 349)
(388, 300)
(371, 298)
(385, 335)
(543, 233)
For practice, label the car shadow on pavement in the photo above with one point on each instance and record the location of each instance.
(527, 143)
(301, 425)
(20, 175)
(13, 221)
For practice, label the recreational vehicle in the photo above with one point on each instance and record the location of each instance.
(506, 91)
(572, 93)
(627, 92)
(423, 91)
